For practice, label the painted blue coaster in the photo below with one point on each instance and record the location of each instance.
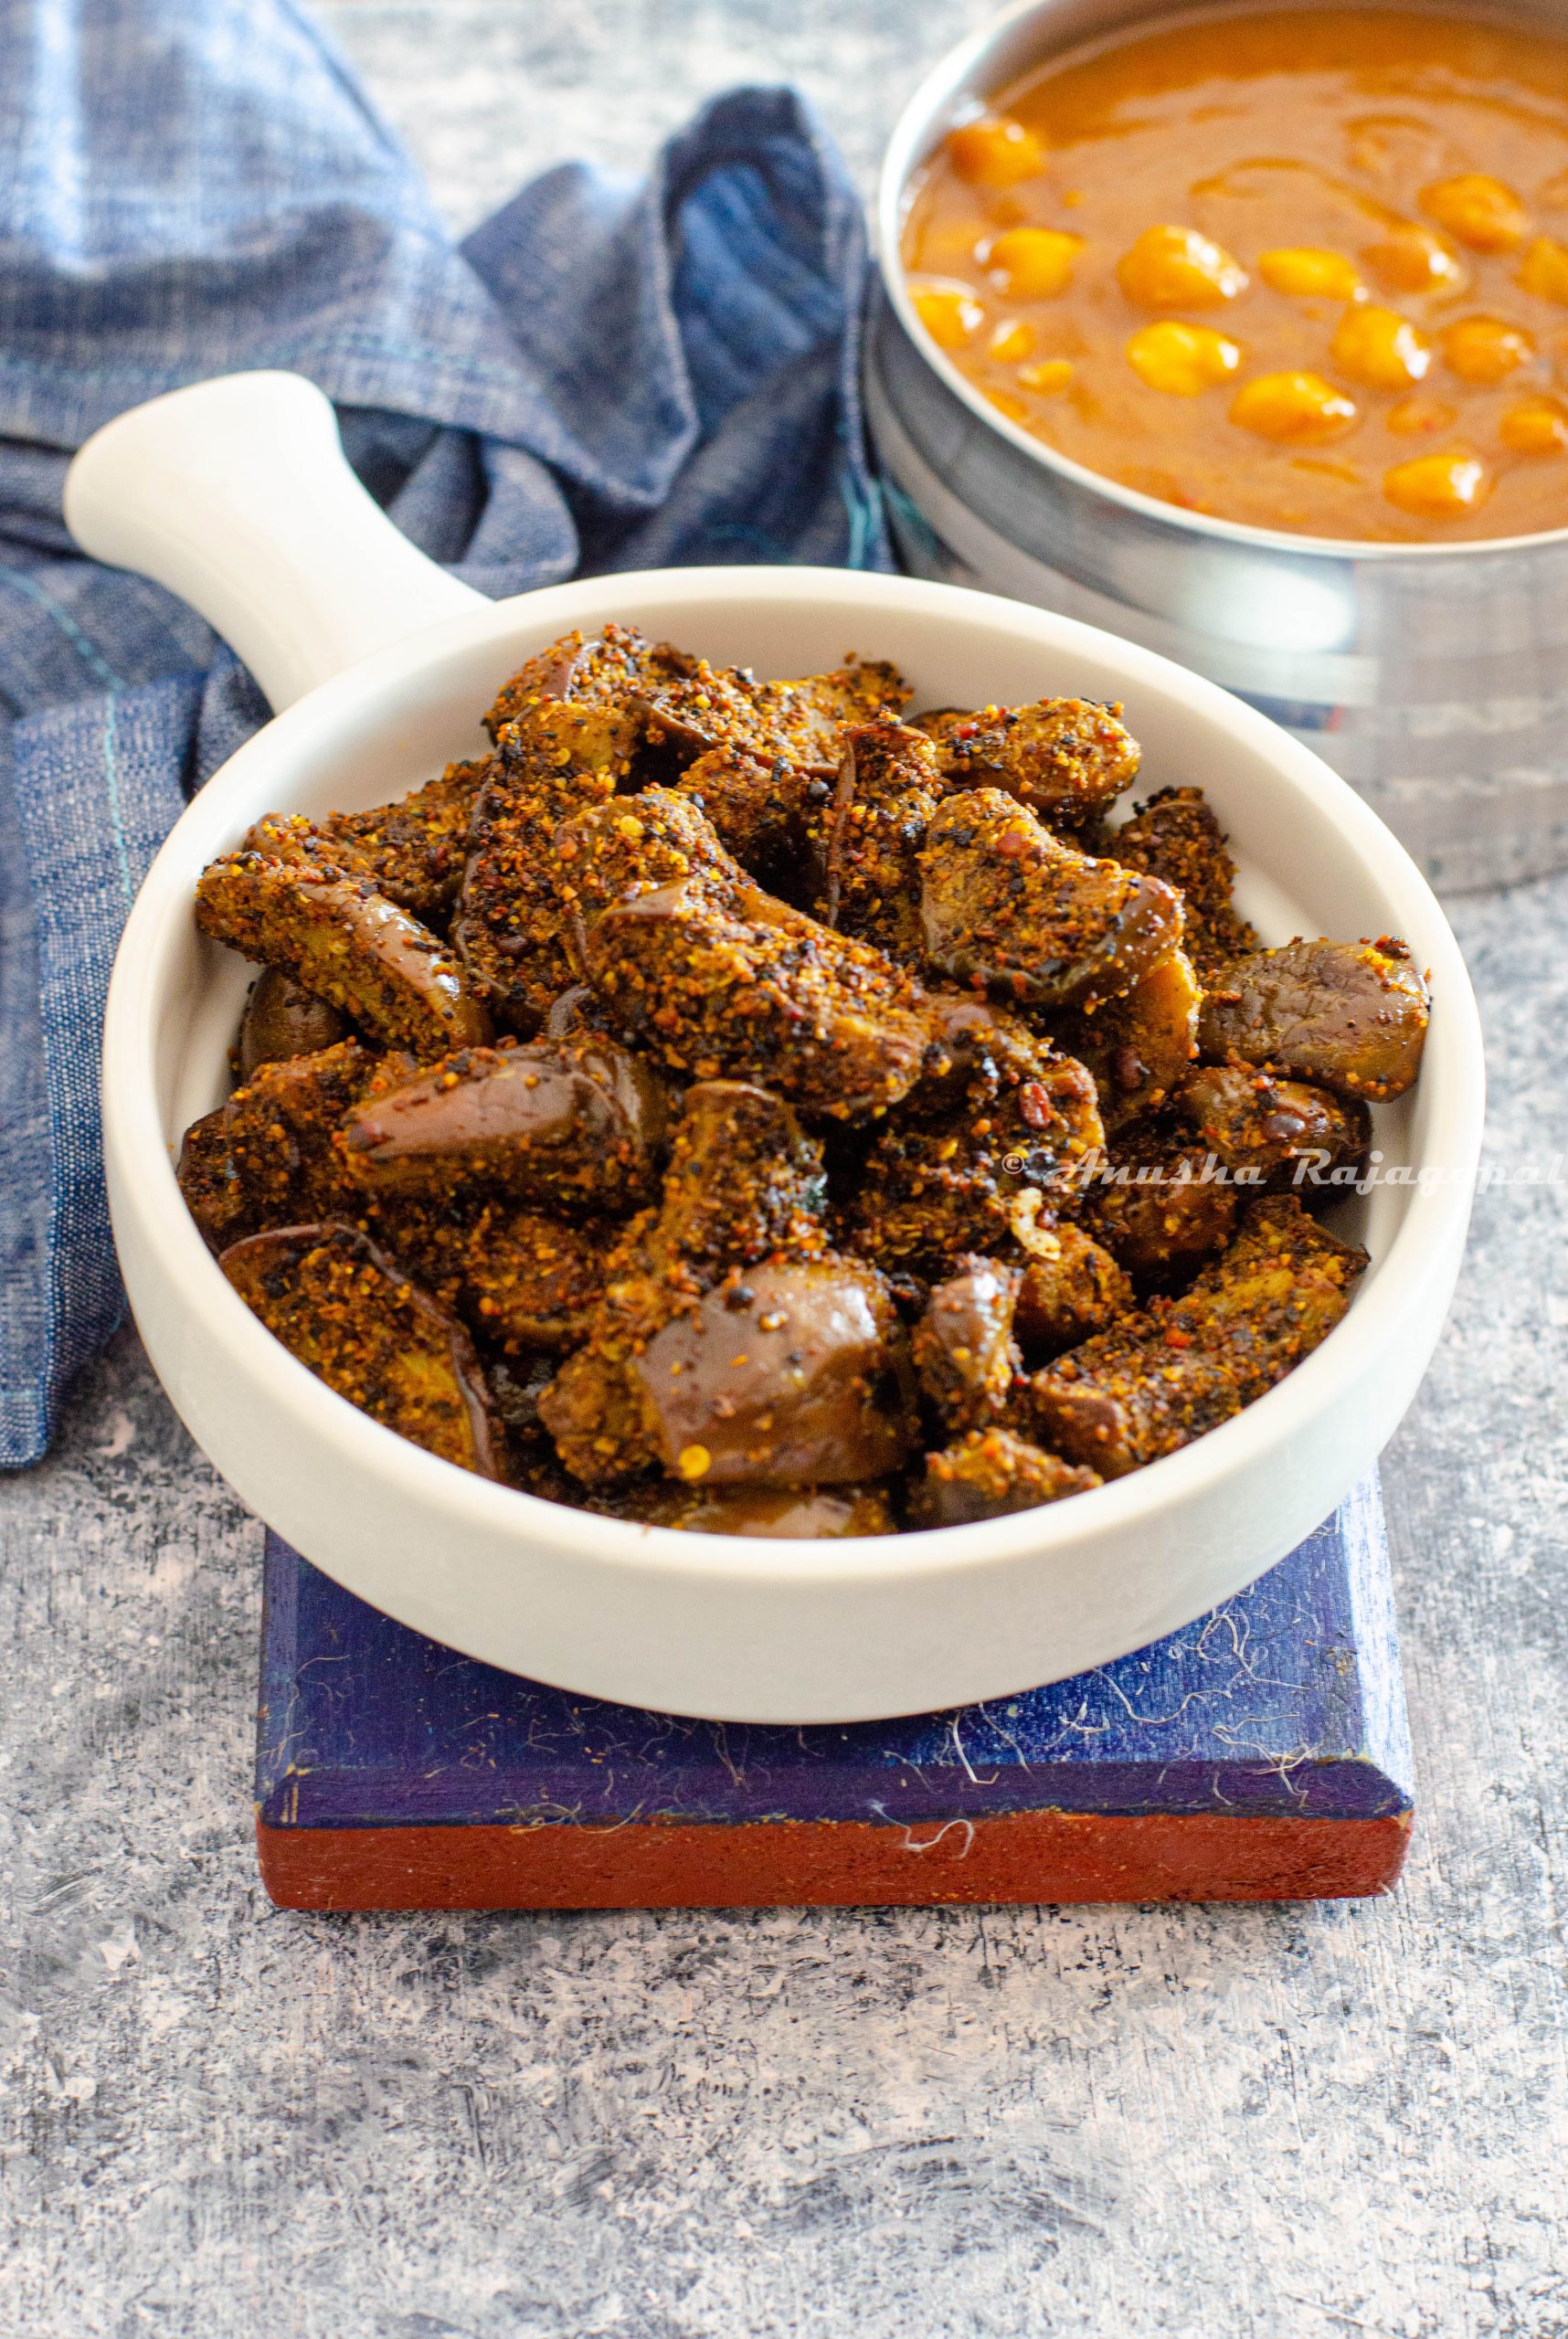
(1282, 1711)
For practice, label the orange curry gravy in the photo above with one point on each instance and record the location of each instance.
(1308, 270)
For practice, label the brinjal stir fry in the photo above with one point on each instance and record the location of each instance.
(749, 1108)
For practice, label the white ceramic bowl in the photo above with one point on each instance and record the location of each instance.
(235, 495)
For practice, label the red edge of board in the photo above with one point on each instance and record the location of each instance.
(1043, 1857)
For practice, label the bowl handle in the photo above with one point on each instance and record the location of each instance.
(237, 495)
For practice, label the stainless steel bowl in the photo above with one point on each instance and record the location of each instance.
(1434, 677)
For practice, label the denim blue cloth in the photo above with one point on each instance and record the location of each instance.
(606, 375)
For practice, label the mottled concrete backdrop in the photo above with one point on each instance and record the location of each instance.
(225, 2122)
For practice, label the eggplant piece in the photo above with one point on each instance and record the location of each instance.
(267, 1158)
(965, 1355)
(991, 1473)
(607, 670)
(798, 1514)
(745, 1183)
(415, 848)
(280, 1126)
(1007, 905)
(593, 1408)
(1260, 1128)
(572, 1125)
(516, 899)
(1159, 1208)
(346, 944)
(1176, 836)
(576, 1015)
(704, 707)
(859, 691)
(759, 805)
(970, 1157)
(340, 1304)
(864, 841)
(1163, 1378)
(510, 926)
(210, 1183)
(1138, 1045)
(1072, 1288)
(281, 1019)
(1067, 759)
(521, 1280)
(791, 1373)
(1348, 1016)
(719, 980)
(1006, 1080)
(301, 844)
(792, 1385)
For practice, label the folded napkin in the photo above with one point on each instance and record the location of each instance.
(604, 375)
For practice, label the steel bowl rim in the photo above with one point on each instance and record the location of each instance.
(906, 149)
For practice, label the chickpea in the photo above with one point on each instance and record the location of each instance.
(1412, 259)
(1296, 409)
(1485, 351)
(1417, 417)
(1309, 274)
(1175, 268)
(949, 312)
(1033, 264)
(1535, 426)
(1438, 487)
(1049, 379)
(1545, 269)
(1184, 360)
(1012, 341)
(1480, 210)
(1380, 347)
(995, 150)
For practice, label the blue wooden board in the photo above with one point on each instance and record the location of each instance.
(1285, 1703)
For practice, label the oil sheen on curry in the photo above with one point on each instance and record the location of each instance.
(1305, 271)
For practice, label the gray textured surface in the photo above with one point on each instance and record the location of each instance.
(223, 2121)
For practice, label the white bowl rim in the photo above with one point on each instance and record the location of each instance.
(899, 163)
(1433, 1224)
